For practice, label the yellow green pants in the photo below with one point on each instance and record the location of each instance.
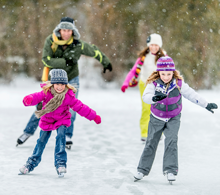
(145, 113)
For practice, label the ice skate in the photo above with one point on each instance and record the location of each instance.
(69, 143)
(23, 138)
(171, 178)
(23, 170)
(61, 171)
(138, 176)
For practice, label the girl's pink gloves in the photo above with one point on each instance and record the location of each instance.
(27, 100)
(123, 88)
(97, 119)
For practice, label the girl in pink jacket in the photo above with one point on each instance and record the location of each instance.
(58, 97)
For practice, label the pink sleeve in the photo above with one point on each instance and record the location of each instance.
(43, 84)
(83, 109)
(131, 73)
(37, 98)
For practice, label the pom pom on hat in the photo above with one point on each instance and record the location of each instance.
(165, 64)
(67, 19)
(58, 76)
(154, 39)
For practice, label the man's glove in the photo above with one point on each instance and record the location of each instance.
(109, 67)
(211, 106)
(160, 96)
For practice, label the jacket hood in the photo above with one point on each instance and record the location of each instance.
(67, 25)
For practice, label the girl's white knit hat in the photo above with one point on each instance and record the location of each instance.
(154, 39)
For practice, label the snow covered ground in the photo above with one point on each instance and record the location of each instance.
(104, 157)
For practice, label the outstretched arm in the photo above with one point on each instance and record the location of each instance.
(192, 95)
(34, 98)
(93, 51)
(131, 73)
(82, 109)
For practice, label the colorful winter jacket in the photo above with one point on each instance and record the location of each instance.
(174, 99)
(132, 73)
(143, 66)
(171, 106)
(72, 52)
(62, 115)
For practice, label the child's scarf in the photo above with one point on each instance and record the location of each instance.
(134, 81)
(57, 42)
(53, 104)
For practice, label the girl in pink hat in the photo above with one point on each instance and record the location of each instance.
(143, 67)
(164, 91)
(58, 97)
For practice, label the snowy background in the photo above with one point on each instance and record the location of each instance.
(104, 157)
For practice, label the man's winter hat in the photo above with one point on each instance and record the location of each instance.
(67, 23)
(58, 76)
(165, 64)
(154, 39)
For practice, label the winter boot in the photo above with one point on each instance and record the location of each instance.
(138, 176)
(61, 171)
(23, 138)
(171, 178)
(23, 170)
(69, 142)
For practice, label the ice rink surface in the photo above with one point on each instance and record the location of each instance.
(104, 157)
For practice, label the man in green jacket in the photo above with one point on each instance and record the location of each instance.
(62, 50)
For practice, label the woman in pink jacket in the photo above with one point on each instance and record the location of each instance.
(144, 66)
(58, 97)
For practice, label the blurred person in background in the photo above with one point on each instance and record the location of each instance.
(62, 50)
(143, 67)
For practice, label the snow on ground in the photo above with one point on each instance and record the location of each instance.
(104, 157)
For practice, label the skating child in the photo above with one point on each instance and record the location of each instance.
(63, 49)
(143, 67)
(164, 91)
(58, 97)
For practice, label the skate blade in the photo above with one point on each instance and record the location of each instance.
(68, 147)
(135, 179)
(61, 175)
(22, 173)
(171, 182)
